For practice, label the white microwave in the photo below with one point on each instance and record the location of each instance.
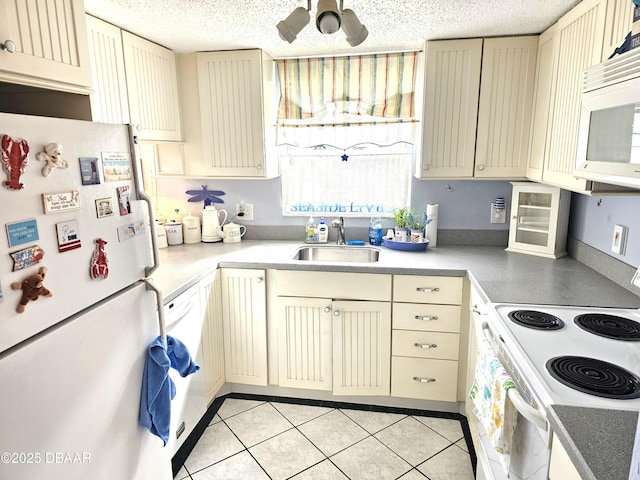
(609, 134)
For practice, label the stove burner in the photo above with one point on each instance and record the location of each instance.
(595, 377)
(609, 326)
(536, 320)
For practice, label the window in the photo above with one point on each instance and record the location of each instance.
(346, 129)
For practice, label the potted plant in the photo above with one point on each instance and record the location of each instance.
(416, 225)
(401, 216)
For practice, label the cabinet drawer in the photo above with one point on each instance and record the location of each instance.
(424, 378)
(409, 343)
(338, 286)
(423, 316)
(427, 289)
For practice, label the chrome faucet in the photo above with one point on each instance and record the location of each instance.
(339, 224)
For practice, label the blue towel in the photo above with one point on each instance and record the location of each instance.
(157, 387)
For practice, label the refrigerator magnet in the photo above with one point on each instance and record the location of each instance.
(61, 201)
(68, 236)
(104, 207)
(123, 200)
(99, 261)
(26, 257)
(15, 157)
(25, 231)
(89, 171)
(52, 156)
(116, 166)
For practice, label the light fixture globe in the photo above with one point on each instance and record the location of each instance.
(354, 30)
(328, 17)
(291, 26)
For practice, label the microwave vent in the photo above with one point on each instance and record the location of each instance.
(618, 69)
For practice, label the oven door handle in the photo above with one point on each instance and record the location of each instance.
(532, 414)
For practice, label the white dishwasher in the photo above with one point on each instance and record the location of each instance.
(183, 319)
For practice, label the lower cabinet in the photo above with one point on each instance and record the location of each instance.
(244, 325)
(212, 343)
(560, 466)
(424, 378)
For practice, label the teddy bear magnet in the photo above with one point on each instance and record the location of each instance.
(52, 155)
(32, 288)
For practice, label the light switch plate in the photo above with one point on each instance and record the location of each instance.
(619, 241)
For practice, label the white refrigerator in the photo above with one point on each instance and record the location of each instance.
(71, 363)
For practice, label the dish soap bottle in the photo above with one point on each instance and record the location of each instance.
(323, 231)
(375, 231)
(310, 230)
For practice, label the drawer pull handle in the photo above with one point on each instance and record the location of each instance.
(427, 290)
(424, 380)
(426, 318)
(425, 345)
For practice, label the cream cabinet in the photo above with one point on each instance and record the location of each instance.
(236, 115)
(617, 26)
(334, 331)
(212, 337)
(560, 466)
(539, 220)
(152, 87)
(426, 337)
(244, 325)
(477, 104)
(109, 99)
(51, 48)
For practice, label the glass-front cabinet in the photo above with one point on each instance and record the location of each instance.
(539, 220)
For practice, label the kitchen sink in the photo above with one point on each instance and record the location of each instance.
(345, 253)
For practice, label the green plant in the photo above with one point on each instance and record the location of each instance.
(416, 222)
(401, 216)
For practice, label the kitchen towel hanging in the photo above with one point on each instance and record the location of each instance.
(157, 387)
(489, 396)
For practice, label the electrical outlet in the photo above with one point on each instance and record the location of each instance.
(619, 242)
(498, 215)
(244, 211)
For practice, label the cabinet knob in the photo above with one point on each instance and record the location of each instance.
(425, 167)
(426, 346)
(327, 309)
(336, 313)
(481, 167)
(427, 289)
(8, 46)
(259, 280)
(424, 380)
(425, 318)
(258, 167)
(138, 127)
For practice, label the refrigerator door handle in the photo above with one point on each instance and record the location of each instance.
(161, 321)
(141, 195)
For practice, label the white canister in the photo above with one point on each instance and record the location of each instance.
(174, 233)
(161, 236)
(191, 229)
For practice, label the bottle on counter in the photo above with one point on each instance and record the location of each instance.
(310, 230)
(323, 231)
(375, 231)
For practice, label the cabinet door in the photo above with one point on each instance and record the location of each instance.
(504, 112)
(361, 348)
(232, 115)
(51, 45)
(152, 85)
(452, 86)
(541, 104)
(109, 100)
(560, 466)
(578, 46)
(212, 341)
(244, 325)
(304, 343)
(617, 25)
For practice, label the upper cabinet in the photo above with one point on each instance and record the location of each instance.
(50, 41)
(234, 110)
(478, 97)
(586, 35)
(135, 81)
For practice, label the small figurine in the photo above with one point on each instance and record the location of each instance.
(15, 157)
(99, 262)
(53, 156)
(32, 287)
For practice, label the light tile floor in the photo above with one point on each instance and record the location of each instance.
(255, 440)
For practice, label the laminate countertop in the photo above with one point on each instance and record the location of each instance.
(500, 276)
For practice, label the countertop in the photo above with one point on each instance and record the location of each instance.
(503, 277)
(599, 442)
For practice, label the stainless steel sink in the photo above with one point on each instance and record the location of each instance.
(324, 253)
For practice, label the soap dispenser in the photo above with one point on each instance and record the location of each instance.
(323, 231)
(310, 230)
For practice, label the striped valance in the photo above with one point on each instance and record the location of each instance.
(350, 89)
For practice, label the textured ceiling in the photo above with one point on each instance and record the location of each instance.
(203, 25)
